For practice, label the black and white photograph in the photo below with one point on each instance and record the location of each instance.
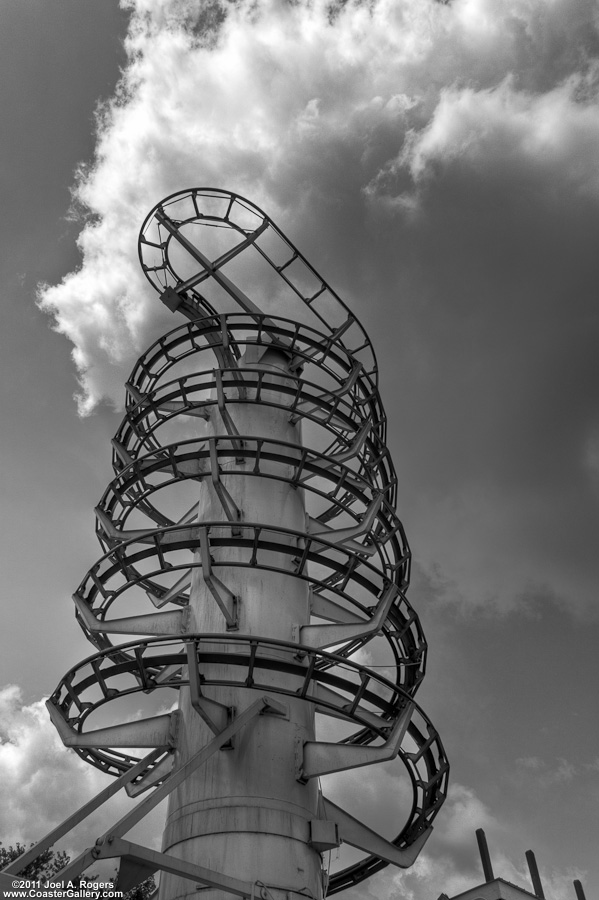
(299, 449)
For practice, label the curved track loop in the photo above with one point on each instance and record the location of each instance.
(353, 552)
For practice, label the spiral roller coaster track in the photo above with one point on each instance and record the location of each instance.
(260, 598)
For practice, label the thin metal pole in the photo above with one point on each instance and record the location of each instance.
(534, 874)
(485, 858)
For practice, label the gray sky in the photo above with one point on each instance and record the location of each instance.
(438, 164)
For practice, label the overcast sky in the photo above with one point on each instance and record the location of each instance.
(439, 165)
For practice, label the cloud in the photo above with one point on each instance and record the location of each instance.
(530, 762)
(288, 102)
(549, 135)
(437, 163)
(450, 862)
(42, 783)
(547, 775)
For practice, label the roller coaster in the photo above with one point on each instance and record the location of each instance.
(255, 566)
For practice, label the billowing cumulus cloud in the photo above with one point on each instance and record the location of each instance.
(287, 101)
(42, 783)
(437, 162)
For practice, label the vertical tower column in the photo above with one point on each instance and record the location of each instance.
(245, 812)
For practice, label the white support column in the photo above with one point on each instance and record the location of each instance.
(244, 812)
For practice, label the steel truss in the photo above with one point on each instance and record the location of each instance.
(351, 554)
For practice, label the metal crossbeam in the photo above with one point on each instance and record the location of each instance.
(322, 758)
(151, 861)
(157, 731)
(226, 600)
(355, 833)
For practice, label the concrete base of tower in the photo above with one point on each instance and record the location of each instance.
(265, 846)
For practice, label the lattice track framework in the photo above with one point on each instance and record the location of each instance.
(254, 602)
